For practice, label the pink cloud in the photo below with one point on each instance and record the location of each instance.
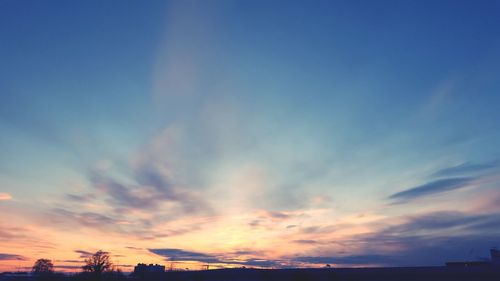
(5, 196)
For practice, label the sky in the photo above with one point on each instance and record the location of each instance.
(249, 133)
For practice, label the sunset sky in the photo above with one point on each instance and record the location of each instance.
(263, 133)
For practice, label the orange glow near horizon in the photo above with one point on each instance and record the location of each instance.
(233, 236)
(229, 238)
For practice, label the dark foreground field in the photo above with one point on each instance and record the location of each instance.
(368, 274)
(341, 274)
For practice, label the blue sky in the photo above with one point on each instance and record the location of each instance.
(188, 119)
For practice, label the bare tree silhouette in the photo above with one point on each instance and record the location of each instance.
(43, 267)
(98, 263)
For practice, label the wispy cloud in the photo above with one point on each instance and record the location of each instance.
(278, 215)
(83, 254)
(153, 183)
(467, 168)
(6, 257)
(445, 221)
(439, 96)
(307, 242)
(437, 186)
(347, 260)
(182, 255)
(259, 263)
(10, 233)
(318, 229)
(80, 198)
(66, 218)
(417, 239)
(228, 258)
(108, 223)
(5, 196)
(130, 205)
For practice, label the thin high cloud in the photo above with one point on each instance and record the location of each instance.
(413, 241)
(5, 196)
(182, 255)
(9, 257)
(144, 229)
(454, 232)
(307, 242)
(434, 187)
(80, 198)
(446, 221)
(11, 233)
(347, 260)
(83, 254)
(416, 240)
(467, 168)
(149, 196)
(69, 219)
(267, 219)
(152, 189)
(153, 183)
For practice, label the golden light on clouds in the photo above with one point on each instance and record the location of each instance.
(5, 196)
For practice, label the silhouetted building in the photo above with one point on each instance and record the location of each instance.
(495, 256)
(495, 260)
(143, 268)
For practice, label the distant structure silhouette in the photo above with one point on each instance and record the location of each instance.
(142, 268)
(495, 256)
(495, 260)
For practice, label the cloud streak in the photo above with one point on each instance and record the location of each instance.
(347, 260)
(434, 187)
(425, 239)
(5, 196)
(447, 220)
(8, 257)
(182, 255)
(467, 168)
(83, 254)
